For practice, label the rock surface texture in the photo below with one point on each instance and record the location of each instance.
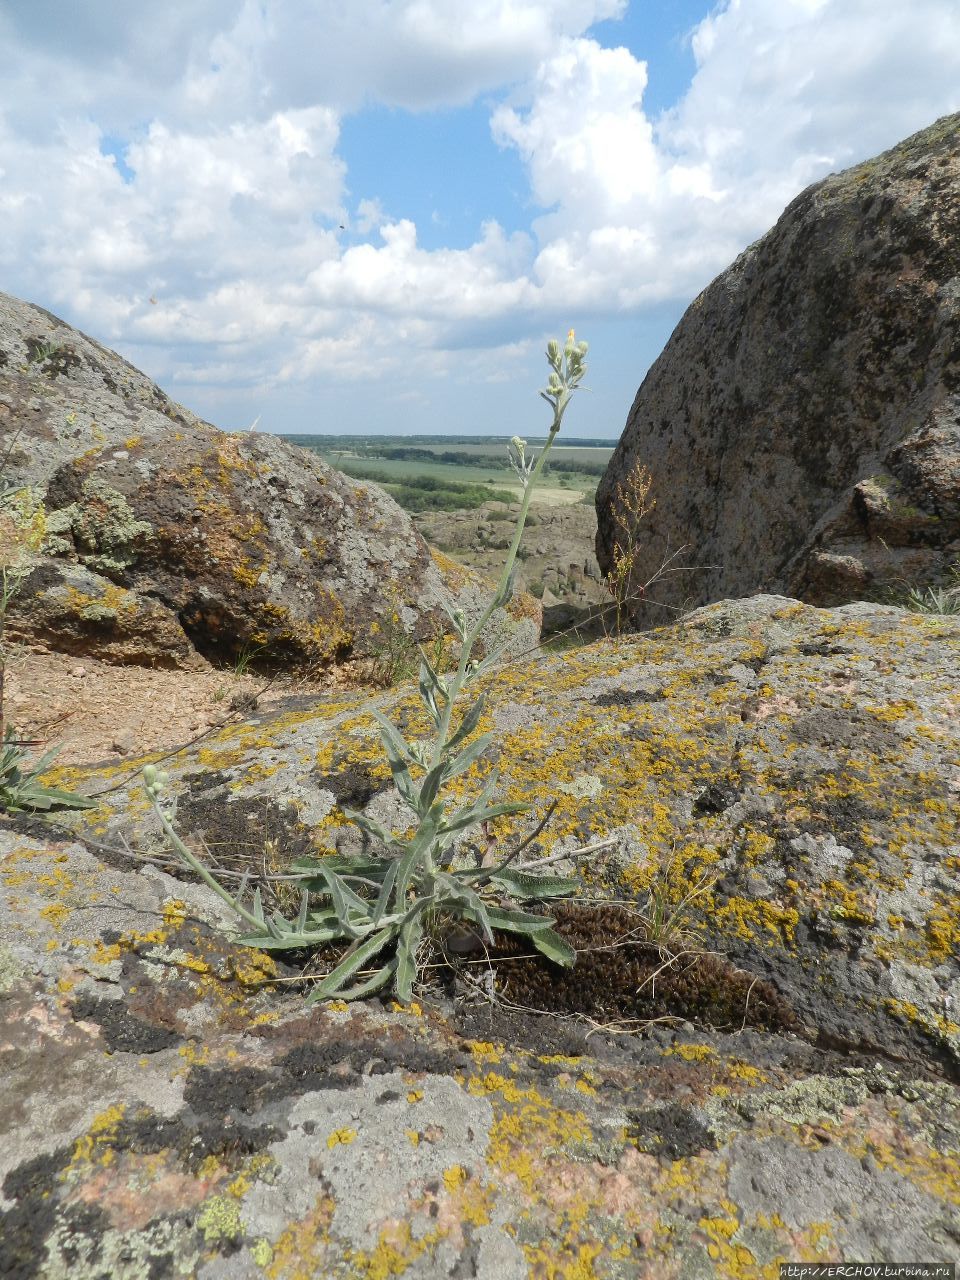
(803, 422)
(171, 1107)
(170, 542)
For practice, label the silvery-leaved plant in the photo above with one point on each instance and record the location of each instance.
(386, 908)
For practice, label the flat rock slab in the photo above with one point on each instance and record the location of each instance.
(175, 1108)
(169, 1111)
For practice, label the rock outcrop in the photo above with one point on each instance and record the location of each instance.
(556, 562)
(796, 1097)
(803, 423)
(170, 542)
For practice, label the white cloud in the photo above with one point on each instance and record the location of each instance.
(642, 210)
(230, 217)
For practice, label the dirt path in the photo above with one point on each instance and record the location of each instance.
(97, 711)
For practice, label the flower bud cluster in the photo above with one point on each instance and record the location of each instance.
(154, 782)
(521, 464)
(567, 369)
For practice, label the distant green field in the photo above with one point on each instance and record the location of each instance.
(450, 473)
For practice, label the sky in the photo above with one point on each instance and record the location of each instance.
(370, 215)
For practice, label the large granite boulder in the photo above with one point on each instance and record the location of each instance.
(170, 542)
(802, 425)
(171, 1107)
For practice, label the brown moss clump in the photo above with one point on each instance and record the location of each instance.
(618, 977)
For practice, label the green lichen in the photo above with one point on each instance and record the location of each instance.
(261, 1251)
(219, 1220)
(101, 526)
(10, 969)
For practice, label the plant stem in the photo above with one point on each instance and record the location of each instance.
(196, 865)
(466, 649)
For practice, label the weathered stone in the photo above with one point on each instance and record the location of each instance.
(68, 608)
(171, 1107)
(245, 542)
(803, 423)
(800, 767)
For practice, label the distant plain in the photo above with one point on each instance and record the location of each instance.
(448, 473)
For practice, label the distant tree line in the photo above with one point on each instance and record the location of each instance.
(455, 457)
(429, 493)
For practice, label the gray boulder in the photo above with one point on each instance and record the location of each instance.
(802, 425)
(207, 542)
(781, 780)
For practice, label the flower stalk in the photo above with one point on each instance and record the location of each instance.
(388, 908)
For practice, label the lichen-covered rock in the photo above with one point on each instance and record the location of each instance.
(803, 423)
(799, 768)
(172, 1108)
(73, 610)
(245, 542)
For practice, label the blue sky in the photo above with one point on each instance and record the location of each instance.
(369, 216)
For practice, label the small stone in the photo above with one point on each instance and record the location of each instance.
(124, 744)
(78, 672)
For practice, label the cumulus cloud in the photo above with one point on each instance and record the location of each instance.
(642, 209)
(173, 178)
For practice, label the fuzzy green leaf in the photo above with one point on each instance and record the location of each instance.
(301, 924)
(524, 885)
(518, 921)
(353, 962)
(467, 756)
(383, 898)
(309, 938)
(44, 798)
(343, 898)
(475, 814)
(554, 947)
(379, 979)
(411, 934)
(398, 754)
(345, 866)
(469, 723)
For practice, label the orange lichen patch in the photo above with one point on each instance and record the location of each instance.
(301, 1252)
(566, 1262)
(484, 1052)
(719, 1232)
(245, 573)
(692, 1052)
(942, 931)
(396, 1249)
(528, 1128)
(341, 1137)
(454, 574)
(111, 600)
(933, 1171)
(757, 920)
(96, 1148)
